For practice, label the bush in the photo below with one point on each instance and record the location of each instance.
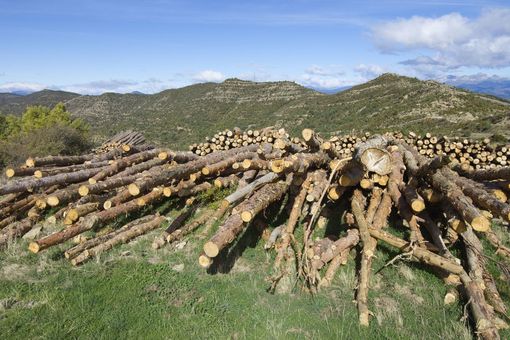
(41, 131)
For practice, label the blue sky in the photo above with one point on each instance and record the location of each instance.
(96, 46)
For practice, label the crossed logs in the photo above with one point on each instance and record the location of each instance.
(443, 205)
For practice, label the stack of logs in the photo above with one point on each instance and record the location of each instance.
(123, 139)
(471, 153)
(442, 204)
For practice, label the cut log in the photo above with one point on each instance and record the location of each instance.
(240, 194)
(16, 230)
(74, 251)
(373, 155)
(367, 253)
(90, 222)
(120, 238)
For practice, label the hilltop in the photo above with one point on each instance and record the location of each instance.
(389, 102)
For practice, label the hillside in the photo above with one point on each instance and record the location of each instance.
(180, 116)
(16, 103)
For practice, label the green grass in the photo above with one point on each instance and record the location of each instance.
(135, 292)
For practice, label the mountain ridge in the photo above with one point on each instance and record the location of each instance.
(178, 117)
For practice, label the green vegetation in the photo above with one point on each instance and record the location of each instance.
(134, 291)
(183, 116)
(41, 131)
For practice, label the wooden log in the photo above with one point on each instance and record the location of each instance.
(479, 195)
(299, 163)
(240, 194)
(79, 248)
(373, 155)
(375, 201)
(292, 221)
(261, 200)
(109, 184)
(421, 254)
(120, 238)
(451, 192)
(323, 255)
(311, 139)
(490, 174)
(380, 219)
(247, 210)
(221, 166)
(413, 197)
(91, 221)
(367, 253)
(123, 163)
(33, 184)
(190, 227)
(501, 249)
(78, 211)
(226, 182)
(16, 230)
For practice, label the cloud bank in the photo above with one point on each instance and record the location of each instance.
(454, 40)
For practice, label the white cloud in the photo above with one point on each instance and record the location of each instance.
(329, 71)
(456, 40)
(151, 85)
(324, 77)
(22, 87)
(369, 71)
(209, 76)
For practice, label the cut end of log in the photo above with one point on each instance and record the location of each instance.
(204, 261)
(277, 166)
(30, 162)
(480, 223)
(107, 205)
(34, 247)
(500, 195)
(40, 203)
(133, 189)
(206, 171)
(53, 201)
(72, 215)
(92, 181)
(83, 190)
(126, 148)
(167, 191)
(377, 160)
(224, 204)
(10, 173)
(418, 205)
(334, 194)
(246, 163)
(366, 183)
(326, 146)
(217, 183)
(307, 134)
(246, 216)
(163, 155)
(211, 249)
(38, 174)
(141, 202)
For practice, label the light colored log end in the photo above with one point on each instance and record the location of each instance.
(418, 205)
(53, 201)
(40, 203)
(83, 190)
(217, 183)
(206, 171)
(204, 261)
(481, 223)
(92, 181)
(277, 166)
(211, 249)
(30, 162)
(246, 163)
(34, 247)
(307, 134)
(72, 215)
(107, 204)
(38, 174)
(246, 216)
(163, 155)
(133, 189)
(366, 183)
(167, 191)
(10, 172)
(126, 148)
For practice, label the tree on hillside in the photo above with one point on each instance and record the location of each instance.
(41, 131)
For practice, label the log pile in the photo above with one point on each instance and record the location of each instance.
(123, 139)
(471, 154)
(441, 203)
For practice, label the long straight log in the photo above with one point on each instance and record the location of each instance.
(240, 194)
(74, 251)
(122, 237)
(33, 184)
(92, 221)
(247, 210)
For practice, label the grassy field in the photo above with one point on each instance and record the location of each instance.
(137, 292)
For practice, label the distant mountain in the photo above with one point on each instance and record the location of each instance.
(329, 90)
(178, 117)
(493, 85)
(11, 103)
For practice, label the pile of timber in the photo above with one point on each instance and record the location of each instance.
(472, 154)
(381, 185)
(124, 139)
